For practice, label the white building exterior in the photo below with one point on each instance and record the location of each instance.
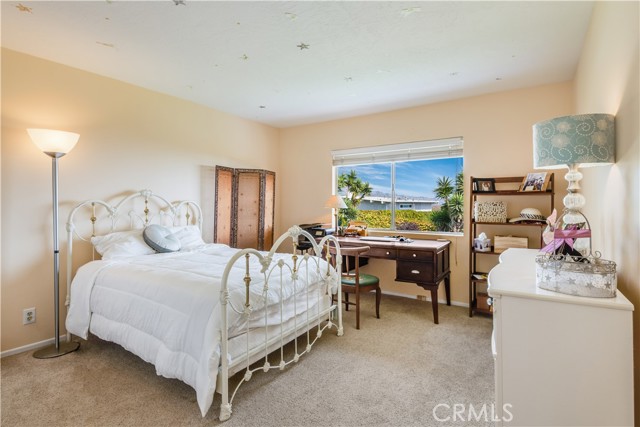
(378, 203)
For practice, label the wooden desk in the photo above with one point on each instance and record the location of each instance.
(423, 262)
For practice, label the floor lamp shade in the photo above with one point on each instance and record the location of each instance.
(55, 143)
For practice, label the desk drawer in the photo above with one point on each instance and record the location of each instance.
(380, 253)
(416, 272)
(413, 255)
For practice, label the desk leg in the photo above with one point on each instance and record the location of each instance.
(434, 294)
(434, 303)
(447, 288)
(434, 298)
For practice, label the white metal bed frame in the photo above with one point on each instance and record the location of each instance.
(152, 208)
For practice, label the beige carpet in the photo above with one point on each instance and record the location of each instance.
(392, 372)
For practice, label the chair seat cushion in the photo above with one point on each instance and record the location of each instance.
(365, 280)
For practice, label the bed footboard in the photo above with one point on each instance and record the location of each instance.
(310, 316)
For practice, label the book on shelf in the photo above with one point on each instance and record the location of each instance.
(480, 276)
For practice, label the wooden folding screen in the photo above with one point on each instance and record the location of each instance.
(244, 211)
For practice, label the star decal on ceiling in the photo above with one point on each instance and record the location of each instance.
(410, 11)
(23, 8)
(244, 57)
(303, 46)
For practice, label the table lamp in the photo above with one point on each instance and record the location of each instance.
(574, 141)
(335, 202)
(55, 144)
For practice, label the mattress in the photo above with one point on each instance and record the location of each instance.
(166, 308)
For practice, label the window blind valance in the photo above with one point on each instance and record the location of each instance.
(419, 150)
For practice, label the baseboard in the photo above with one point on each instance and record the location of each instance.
(44, 343)
(29, 347)
(428, 299)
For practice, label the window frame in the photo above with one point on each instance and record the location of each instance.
(392, 154)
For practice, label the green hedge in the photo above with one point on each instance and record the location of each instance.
(405, 219)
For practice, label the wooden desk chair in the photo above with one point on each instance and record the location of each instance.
(354, 282)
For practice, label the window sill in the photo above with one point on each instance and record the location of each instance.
(425, 235)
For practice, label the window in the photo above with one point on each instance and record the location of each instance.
(415, 186)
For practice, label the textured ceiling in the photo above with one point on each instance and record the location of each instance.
(290, 63)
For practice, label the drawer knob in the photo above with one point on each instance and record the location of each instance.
(414, 255)
(387, 252)
(415, 271)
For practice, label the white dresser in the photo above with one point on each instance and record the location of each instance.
(560, 360)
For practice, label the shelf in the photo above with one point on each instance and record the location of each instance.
(512, 193)
(512, 224)
(475, 279)
(491, 252)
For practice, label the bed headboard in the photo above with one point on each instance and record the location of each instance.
(134, 211)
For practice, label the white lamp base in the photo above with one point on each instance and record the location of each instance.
(573, 201)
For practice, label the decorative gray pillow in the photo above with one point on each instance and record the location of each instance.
(160, 238)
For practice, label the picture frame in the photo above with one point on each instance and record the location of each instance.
(535, 181)
(484, 185)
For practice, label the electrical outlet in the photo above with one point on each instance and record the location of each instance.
(421, 297)
(29, 315)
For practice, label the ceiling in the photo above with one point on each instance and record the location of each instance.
(300, 62)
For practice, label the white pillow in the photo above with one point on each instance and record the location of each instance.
(160, 238)
(121, 244)
(190, 236)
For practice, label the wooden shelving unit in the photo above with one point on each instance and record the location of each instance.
(479, 300)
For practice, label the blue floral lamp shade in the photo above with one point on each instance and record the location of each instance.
(574, 141)
(583, 140)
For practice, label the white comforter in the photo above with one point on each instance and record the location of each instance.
(165, 307)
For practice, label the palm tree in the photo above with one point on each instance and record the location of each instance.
(449, 218)
(443, 189)
(459, 183)
(456, 211)
(356, 190)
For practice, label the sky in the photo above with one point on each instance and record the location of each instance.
(413, 178)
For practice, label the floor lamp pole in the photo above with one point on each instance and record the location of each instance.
(58, 349)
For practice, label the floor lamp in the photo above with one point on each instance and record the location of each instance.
(55, 143)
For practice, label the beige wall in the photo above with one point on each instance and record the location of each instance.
(607, 82)
(497, 135)
(130, 139)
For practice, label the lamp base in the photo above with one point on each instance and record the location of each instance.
(51, 351)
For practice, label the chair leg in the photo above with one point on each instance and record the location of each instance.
(346, 301)
(378, 298)
(357, 309)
